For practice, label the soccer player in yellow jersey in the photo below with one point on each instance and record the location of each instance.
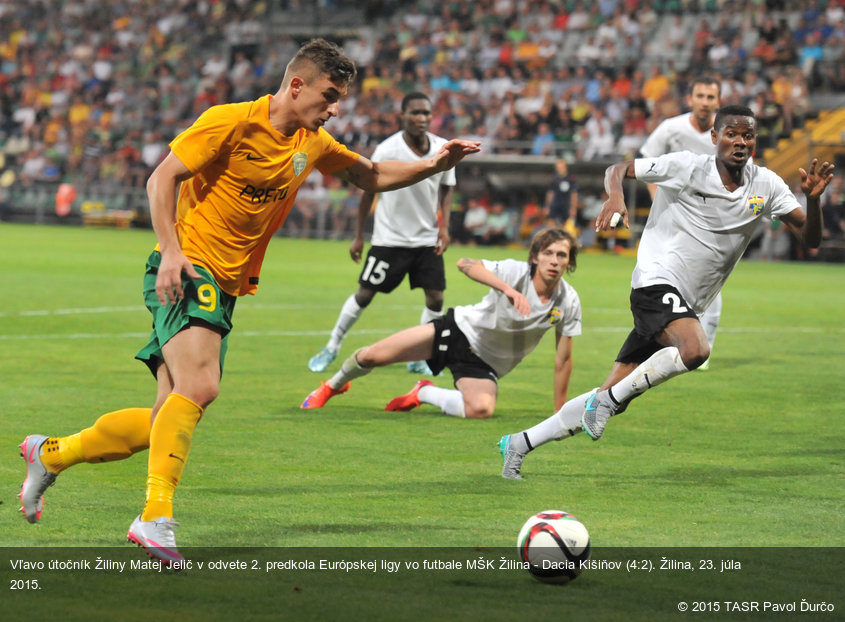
(237, 170)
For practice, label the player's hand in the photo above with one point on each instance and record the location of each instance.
(813, 182)
(453, 152)
(355, 249)
(612, 213)
(169, 279)
(443, 241)
(519, 302)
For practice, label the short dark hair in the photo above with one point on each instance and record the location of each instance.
(548, 236)
(326, 57)
(705, 79)
(734, 110)
(412, 97)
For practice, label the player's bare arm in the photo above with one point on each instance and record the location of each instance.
(364, 207)
(394, 174)
(615, 203)
(563, 368)
(474, 269)
(808, 227)
(444, 207)
(161, 191)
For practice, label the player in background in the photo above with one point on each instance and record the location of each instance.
(410, 232)
(483, 342)
(237, 170)
(701, 221)
(561, 204)
(691, 132)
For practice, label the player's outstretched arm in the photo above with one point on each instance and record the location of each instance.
(475, 270)
(453, 152)
(808, 227)
(394, 174)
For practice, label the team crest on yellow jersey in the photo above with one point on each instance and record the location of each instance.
(554, 316)
(755, 204)
(299, 161)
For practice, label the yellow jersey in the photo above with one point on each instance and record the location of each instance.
(245, 178)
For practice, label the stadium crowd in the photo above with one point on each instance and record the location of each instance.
(92, 91)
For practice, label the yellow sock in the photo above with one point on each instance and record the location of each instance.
(114, 436)
(58, 453)
(159, 498)
(170, 444)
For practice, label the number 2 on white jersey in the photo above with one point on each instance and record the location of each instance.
(675, 301)
(375, 273)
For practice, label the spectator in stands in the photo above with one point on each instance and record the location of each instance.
(498, 225)
(475, 222)
(154, 149)
(655, 87)
(544, 141)
(242, 77)
(597, 136)
(138, 57)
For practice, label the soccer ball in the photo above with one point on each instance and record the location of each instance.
(554, 543)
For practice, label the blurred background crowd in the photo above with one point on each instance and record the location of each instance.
(91, 91)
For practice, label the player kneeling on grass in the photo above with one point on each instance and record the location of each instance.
(483, 342)
(704, 213)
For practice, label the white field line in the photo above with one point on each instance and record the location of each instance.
(310, 333)
(379, 331)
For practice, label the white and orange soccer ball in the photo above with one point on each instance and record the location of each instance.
(554, 543)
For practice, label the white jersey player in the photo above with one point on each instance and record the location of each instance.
(681, 133)
(483, 342)
(410, 231)
(691, 132)
(703, 216)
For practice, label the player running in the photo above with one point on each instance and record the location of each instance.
(237, 171)
(704, 214)
(691, 132)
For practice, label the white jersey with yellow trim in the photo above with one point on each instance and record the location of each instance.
(697, 230)
(499, 335)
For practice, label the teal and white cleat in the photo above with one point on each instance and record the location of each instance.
(511, 459)
(320, 362)
(598, 409)
(420, 368)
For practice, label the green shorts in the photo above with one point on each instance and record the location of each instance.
(204, 300)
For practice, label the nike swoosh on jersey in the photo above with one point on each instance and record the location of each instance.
(252, 157)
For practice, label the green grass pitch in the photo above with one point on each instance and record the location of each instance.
(746, 457)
